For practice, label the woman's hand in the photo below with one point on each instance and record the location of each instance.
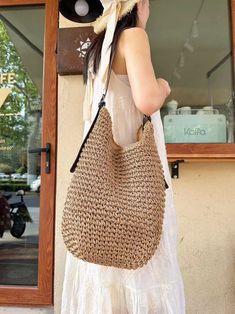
(143, 13)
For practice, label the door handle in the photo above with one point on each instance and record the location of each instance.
(47, 150)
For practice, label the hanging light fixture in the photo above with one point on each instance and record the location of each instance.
(188, 46)
(195, 31)
(81, 11)
(182, 59)
(81, 7)
(176, 74)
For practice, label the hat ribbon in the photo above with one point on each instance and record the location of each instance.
(112, 11)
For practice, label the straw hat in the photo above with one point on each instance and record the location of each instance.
(113, 11)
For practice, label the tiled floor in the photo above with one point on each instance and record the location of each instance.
(19, 261)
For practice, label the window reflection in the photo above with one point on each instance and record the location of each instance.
(21, 73)
(192, 49)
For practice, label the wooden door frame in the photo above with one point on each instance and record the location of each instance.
(43, 293)
(207, 151)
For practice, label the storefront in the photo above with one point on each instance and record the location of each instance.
(41, 128)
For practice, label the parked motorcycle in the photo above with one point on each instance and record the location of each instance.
(13, 216)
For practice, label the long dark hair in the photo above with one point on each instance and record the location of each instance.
(94, 51)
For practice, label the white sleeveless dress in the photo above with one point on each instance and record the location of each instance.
(157, 287)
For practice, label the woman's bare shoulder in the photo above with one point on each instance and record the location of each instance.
(129, 41)
(137, 30)
(134, 34)
(132, 39)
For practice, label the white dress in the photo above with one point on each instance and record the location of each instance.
(157, 287)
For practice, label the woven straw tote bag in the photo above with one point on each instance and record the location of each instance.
(114, 208)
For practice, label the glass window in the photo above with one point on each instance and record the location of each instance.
(21, 76)
(192, 49)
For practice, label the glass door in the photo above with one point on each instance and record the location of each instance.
(21, 64)
(27, 174)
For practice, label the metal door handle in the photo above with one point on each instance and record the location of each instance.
(39, 150)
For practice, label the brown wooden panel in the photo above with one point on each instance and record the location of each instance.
(46, 243)
(21, 2)
(201, 151)
(210, 160)
(43, 294)
(70, 61)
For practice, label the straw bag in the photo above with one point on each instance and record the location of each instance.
(114, 208)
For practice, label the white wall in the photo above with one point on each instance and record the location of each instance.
(205, 203)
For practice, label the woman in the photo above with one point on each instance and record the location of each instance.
(133, 90)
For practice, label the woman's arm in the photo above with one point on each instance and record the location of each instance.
(148, 92)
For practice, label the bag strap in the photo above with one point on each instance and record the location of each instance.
(102, 101)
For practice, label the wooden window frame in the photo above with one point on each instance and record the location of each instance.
(43, 293)
(207, 152)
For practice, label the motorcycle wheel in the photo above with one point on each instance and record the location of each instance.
(18, 227)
